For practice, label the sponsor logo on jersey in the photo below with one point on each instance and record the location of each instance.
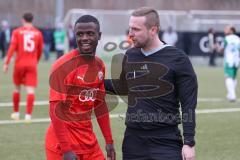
(88, 95)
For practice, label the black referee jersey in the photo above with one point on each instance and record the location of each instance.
(158, 87)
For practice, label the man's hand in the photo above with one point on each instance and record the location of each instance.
(111, 154)
(5, 68)
(188, 153)
(69, 156)
(219, 48)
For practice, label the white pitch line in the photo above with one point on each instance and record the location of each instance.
(213, 100)
(39, 120)
(122, 115)
(42, 103)
(222, 110)
(10, 104)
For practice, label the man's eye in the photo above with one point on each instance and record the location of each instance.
(79, 34)
(91, 33)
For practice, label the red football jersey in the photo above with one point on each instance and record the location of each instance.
(27, 41)
(74, 71)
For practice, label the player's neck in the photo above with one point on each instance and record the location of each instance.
(27, 24)
(156, 42)
(87, 56)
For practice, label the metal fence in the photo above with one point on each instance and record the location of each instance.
(116, 21)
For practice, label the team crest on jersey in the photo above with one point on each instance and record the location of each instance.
(100, 75)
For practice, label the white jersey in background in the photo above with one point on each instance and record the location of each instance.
(231, 51)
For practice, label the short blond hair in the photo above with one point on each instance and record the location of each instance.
(152, 17)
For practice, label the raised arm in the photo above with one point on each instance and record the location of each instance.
(117, 86)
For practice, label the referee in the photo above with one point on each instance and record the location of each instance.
(159, 81)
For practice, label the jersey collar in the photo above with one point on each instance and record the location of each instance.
(148, 53)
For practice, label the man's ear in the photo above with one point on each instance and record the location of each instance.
(154, 29)
(99, 35)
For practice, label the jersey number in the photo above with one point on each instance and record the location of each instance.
(29, 43)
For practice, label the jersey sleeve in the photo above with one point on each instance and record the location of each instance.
(238, 43)
(40, 46)
(59, 129)
(56, 96)
(102, 114)
(57, 85)
(187, 89)
(225, 42)
(12, 47)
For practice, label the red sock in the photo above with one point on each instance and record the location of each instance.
(30, 101)
(16, 99)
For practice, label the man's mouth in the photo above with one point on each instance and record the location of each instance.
(86, 46)
(134, 41)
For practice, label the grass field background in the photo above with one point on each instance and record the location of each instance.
(217, 134)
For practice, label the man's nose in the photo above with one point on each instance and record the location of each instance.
(85, 37)
(130, 33)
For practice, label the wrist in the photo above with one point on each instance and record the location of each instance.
(110, 141)
(190, 143)
(66, 148)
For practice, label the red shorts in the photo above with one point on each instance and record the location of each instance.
(97, 155)
(25, 75)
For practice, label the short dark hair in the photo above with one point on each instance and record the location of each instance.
(87, 19)
(233, 29)
(28, 17)
(152, 17)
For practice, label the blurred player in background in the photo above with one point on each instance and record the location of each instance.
(159, 80)
(27, 42)
(170, 36)
(47, 38)
(212, 47)
(231, 61)
(59, 37)
(5, 36)
(70, 135)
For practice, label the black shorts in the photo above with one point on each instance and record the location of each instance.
(161, 144)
